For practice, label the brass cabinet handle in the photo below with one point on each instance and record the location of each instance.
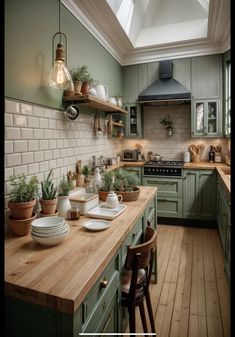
(104, 283)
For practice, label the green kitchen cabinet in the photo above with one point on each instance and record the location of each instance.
(199, 194)
(224, 224)
(206, 91)
(206, 118)
(206, 77)
(136, 171)
(133, 121)
(169, 196)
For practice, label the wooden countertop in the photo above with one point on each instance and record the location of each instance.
(60, 276)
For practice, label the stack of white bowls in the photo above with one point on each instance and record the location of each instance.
(49, 231)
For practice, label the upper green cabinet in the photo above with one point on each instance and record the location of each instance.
(206, 79)
(206, 90)
(133, 121)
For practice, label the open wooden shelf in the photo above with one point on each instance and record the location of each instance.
(118, 124)
(94, 102)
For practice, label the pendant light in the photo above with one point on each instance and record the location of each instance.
(59, 77)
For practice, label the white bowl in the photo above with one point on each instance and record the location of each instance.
(52, 241)
(48, 222)
(51, 234)
(49, 229)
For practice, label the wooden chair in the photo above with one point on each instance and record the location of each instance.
(136, 278)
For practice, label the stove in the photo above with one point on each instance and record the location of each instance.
(164, 168)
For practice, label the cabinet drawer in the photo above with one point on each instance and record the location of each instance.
(132, 239)
(166, 186)
(170, 207)
(98, 291)
(102, 308)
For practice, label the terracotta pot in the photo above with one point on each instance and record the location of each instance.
(21, 227)
(127, 196)
(52, 214)
(48, 206)
(22, 210)
(85, 88)
(77, 87)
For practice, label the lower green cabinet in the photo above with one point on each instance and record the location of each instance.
(224, 224)
(169, 195)
(136, 171)
(199, 194)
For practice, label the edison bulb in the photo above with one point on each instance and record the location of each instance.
(60, 77)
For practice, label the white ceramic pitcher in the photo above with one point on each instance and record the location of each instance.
(113, 199)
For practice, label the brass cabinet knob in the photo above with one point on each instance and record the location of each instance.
(104, 283)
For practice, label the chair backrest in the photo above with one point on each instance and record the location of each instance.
(141, 257)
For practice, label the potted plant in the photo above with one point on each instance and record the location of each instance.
(86, 171)
(81, 79)
(63, 205)
(48, 200)
(72, 176)
(21, 204)
(168, 124)
(121, 183)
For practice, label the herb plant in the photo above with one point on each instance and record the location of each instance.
(65, 187)
(22, 190)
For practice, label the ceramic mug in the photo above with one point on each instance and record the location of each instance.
(113, 199)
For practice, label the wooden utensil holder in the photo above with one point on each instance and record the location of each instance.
(195, 158)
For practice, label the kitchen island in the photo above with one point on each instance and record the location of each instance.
(75, 286)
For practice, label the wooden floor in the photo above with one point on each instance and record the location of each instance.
(191, 298)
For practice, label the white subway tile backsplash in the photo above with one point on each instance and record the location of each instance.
(52, 124)
(33, 145)
(48, 113)
(8, 146)
(48, 154)
(20, 121)
(52, 164)
(38, 111)
(26, 133)
(59, 162)
(33, 122)
(8, 119)
(33, 168)
(12, 107)
(12, 133)
(8, 172)
(38, 134)
(20, 145)
(43, 123)
(43, 166)
(27, 158)
(26, 109)
(43, 144)
(52, 144)
(39, 156)
(20, 170)
(48, 134)
(56, 154)
(13, 159)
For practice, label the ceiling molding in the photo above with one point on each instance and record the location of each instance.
(115, 40)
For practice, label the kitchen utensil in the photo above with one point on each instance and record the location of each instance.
(113, 199)
(72, 112)
(193, 149)
(99, 130)
(156, 157)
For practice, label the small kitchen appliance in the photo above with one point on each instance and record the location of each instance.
(163, 168)
(130, 155)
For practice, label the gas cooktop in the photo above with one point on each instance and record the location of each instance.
(177, 163)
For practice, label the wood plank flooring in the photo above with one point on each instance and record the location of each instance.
(191, 298)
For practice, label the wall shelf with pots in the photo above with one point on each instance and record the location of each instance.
(95, 103)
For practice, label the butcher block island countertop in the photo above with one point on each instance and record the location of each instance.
(60, 277)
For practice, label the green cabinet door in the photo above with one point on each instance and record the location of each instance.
(228, 244)
(136, 171)
(133, 121)
(221, 215)
(199, 194)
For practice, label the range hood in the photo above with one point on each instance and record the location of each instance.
(166, 88)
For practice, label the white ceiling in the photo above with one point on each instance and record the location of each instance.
(153, 30)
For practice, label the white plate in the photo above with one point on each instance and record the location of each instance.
(50, 241)
(96, 225)
(100, 212)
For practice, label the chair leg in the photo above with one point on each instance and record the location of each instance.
(143, 317)
(131, 310)
(150, 311)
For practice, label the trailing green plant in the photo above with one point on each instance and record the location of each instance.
(130, 182)
(23, 190)
(48, 189)
(65, 186)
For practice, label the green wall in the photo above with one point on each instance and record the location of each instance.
(29, 28)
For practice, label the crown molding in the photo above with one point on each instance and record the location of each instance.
(120, 47)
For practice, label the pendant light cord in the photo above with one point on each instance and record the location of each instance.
(60, 19)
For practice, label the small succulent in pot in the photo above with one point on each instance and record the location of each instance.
(48, 200)
(65, 186)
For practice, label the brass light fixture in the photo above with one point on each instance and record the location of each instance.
(59, 77)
